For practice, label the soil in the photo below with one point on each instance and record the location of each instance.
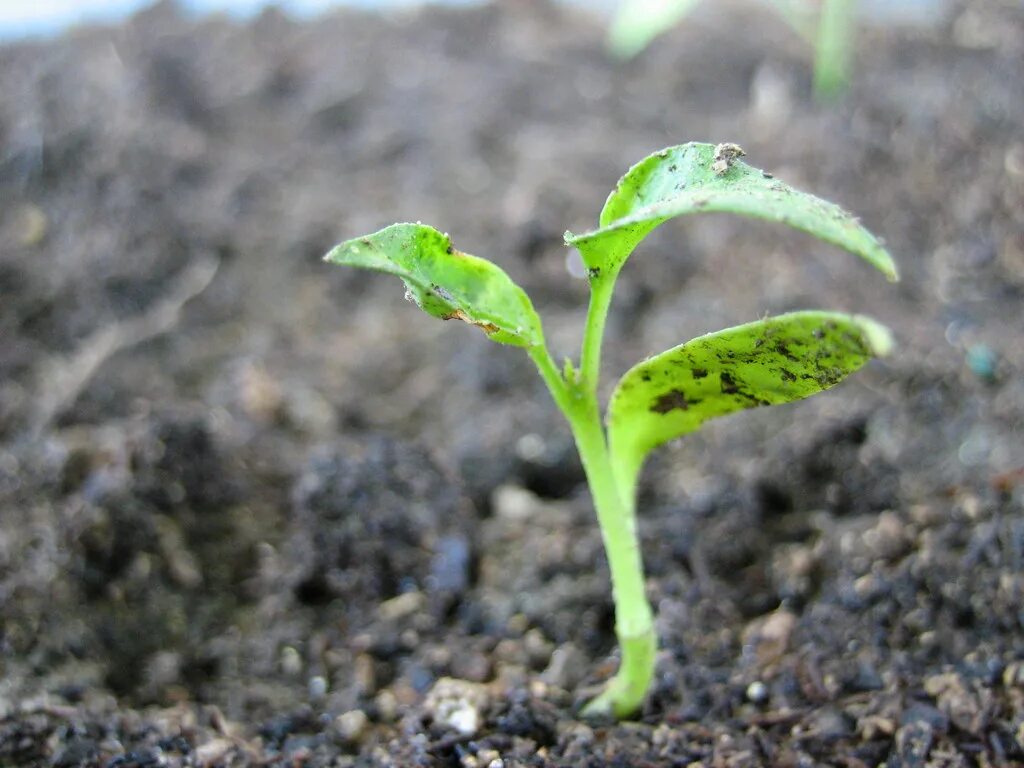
(256, 510)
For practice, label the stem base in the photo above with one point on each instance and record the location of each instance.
(625, 692)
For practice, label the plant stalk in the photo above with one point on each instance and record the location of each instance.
(833, 48)
(634, 618)
(601, 288)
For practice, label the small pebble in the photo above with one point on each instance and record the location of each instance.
(530, 447)
(387, 705)
(401, 606)
(457, 704)
(213, 751)
(317, 687)
(291, 662)
(514, 503)
(886, 538)
(351, 725)
(757, 692)
(567, 668)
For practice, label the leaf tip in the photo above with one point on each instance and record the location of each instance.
(885, 264)
(878, 337)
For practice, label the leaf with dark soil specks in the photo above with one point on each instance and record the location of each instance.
(697, 177)
(447, 283)
(767, 362)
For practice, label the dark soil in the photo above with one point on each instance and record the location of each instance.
(255, 509)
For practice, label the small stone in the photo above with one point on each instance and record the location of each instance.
(365, 674)
(567, 668)
(757, 692)
(514, 503)
(291, 662)
(530, 447)
(351, 725)
(212, 752)
(387, 705)
(767, 638)
(317, 687)
(886, 539)
(457, 704)
(401, 606)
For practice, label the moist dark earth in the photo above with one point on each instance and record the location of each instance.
(258, 510)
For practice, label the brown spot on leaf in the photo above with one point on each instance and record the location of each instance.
(699, 373)
(670, 401)
(458, 314)
(782, 349)
(729, 385)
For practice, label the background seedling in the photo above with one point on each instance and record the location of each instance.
(829, 31)
(767, 362)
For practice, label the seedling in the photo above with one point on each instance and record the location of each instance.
(768, 362)
(829, 31)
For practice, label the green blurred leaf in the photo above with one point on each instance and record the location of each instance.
(767, 362)
(637, 22)
(689, 178)
(447, 283)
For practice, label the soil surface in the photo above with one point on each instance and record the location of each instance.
(258, 510)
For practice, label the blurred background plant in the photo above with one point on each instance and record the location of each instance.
(828, 26)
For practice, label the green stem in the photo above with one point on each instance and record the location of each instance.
(549, 372)
(833, 48)
(601, 287)
(634, 619)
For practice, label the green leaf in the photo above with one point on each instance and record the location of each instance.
(637, 22)
(447, 283)
(767, 362)
(695, 177)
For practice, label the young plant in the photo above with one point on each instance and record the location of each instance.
(829, 31)
(767, 362)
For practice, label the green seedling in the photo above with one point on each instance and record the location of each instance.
(767, 362)
(829, 31)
